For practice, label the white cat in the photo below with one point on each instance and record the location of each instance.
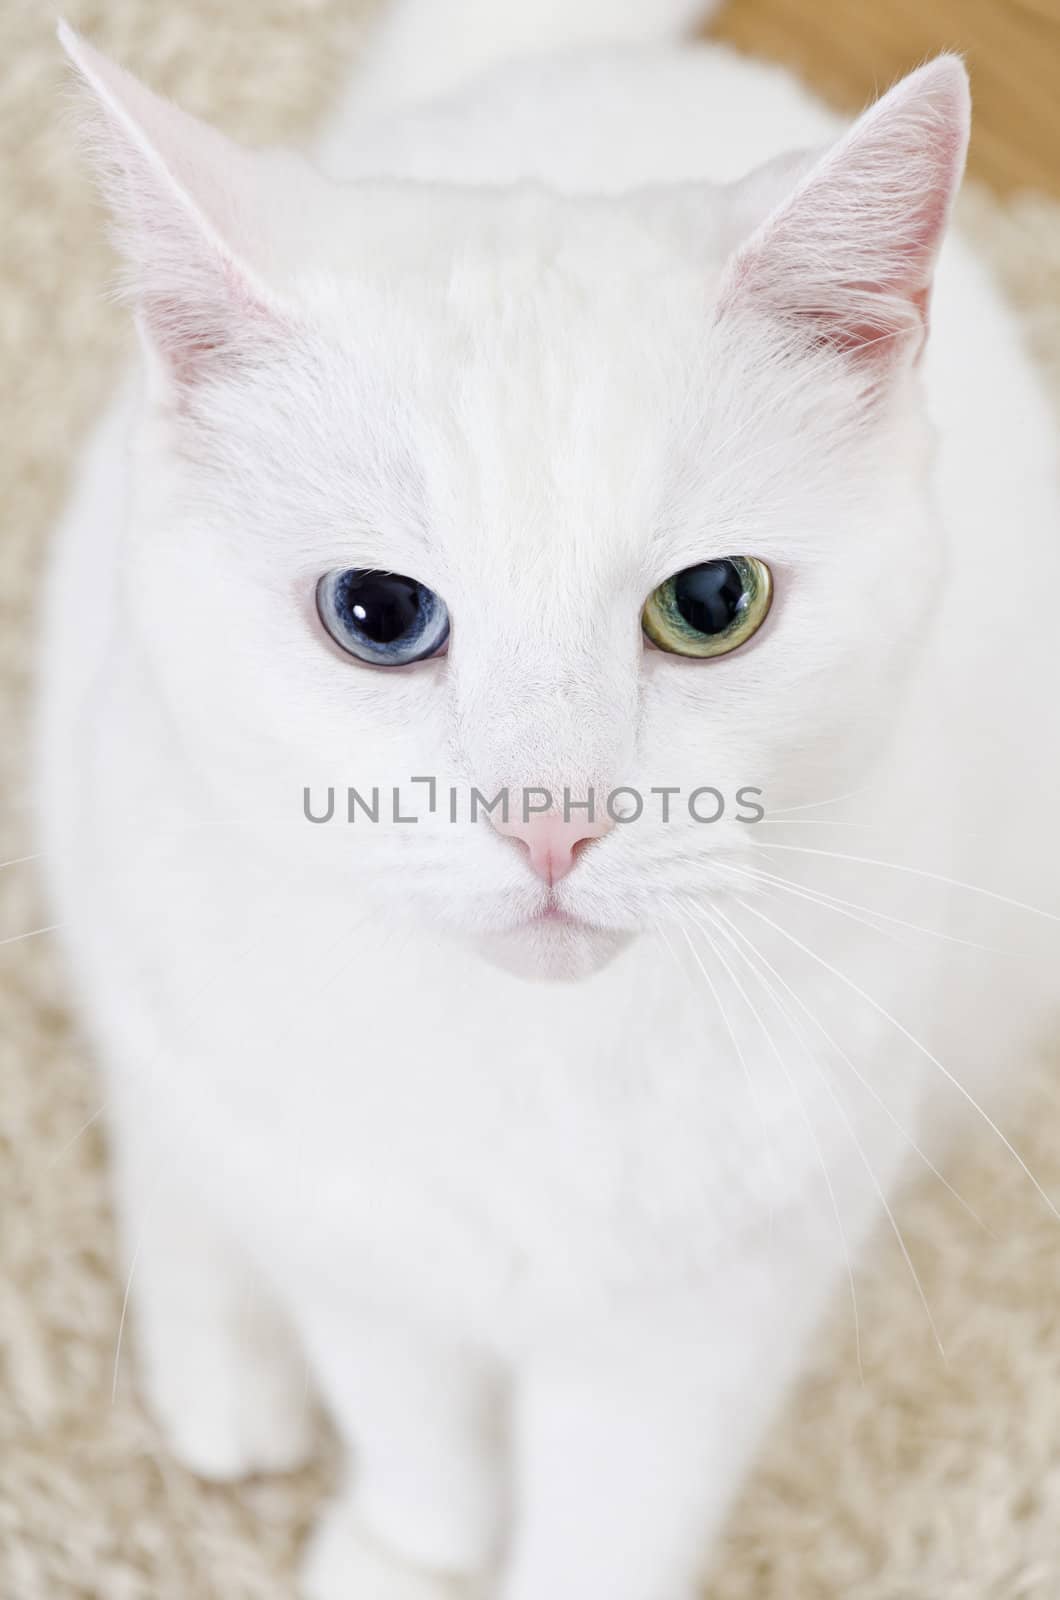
(421, 432)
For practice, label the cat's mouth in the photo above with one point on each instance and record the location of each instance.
(552, 914)
(553, 943)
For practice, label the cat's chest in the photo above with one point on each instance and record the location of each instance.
(512, 1215)
(510, 1166)
(437, 1136)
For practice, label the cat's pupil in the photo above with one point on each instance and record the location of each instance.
(381, 606)
(709, 596)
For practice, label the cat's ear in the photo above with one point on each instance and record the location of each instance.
(847, 258)
(191, 218)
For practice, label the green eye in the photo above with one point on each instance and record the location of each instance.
(710, 609)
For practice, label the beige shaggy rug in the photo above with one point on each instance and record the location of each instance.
(923, 1479)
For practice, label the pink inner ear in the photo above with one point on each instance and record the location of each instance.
(191, 217)
(196, 334)
(848, 259)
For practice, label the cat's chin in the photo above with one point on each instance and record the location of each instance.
(552, 950)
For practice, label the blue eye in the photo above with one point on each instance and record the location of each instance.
(381, 617)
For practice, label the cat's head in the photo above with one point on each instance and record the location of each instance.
(539, 410)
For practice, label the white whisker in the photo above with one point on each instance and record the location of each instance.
(33, 933)
(82, 1130)
(811, 1131)
(737, 1046)
(815, 822)
(918, 872)
(837, 903)
(841, 1109)
(864, 917)
(865, 1082)
(815, 805)
(125, 1306)
(913, 1040)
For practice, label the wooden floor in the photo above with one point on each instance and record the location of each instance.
(850, 49)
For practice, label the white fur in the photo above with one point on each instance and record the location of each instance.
(552, 1250)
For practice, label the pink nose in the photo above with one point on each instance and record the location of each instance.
(551, 842)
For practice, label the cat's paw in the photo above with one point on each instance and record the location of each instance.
(230, 1407)
(344, 1563)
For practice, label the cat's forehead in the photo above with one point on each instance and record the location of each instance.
(519, 386)
(481, 276)
(525, 368)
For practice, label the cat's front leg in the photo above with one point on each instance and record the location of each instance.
(629, 1455)
(421, 1515)
(220, 1368)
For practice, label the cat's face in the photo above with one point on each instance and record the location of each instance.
(540, 410)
